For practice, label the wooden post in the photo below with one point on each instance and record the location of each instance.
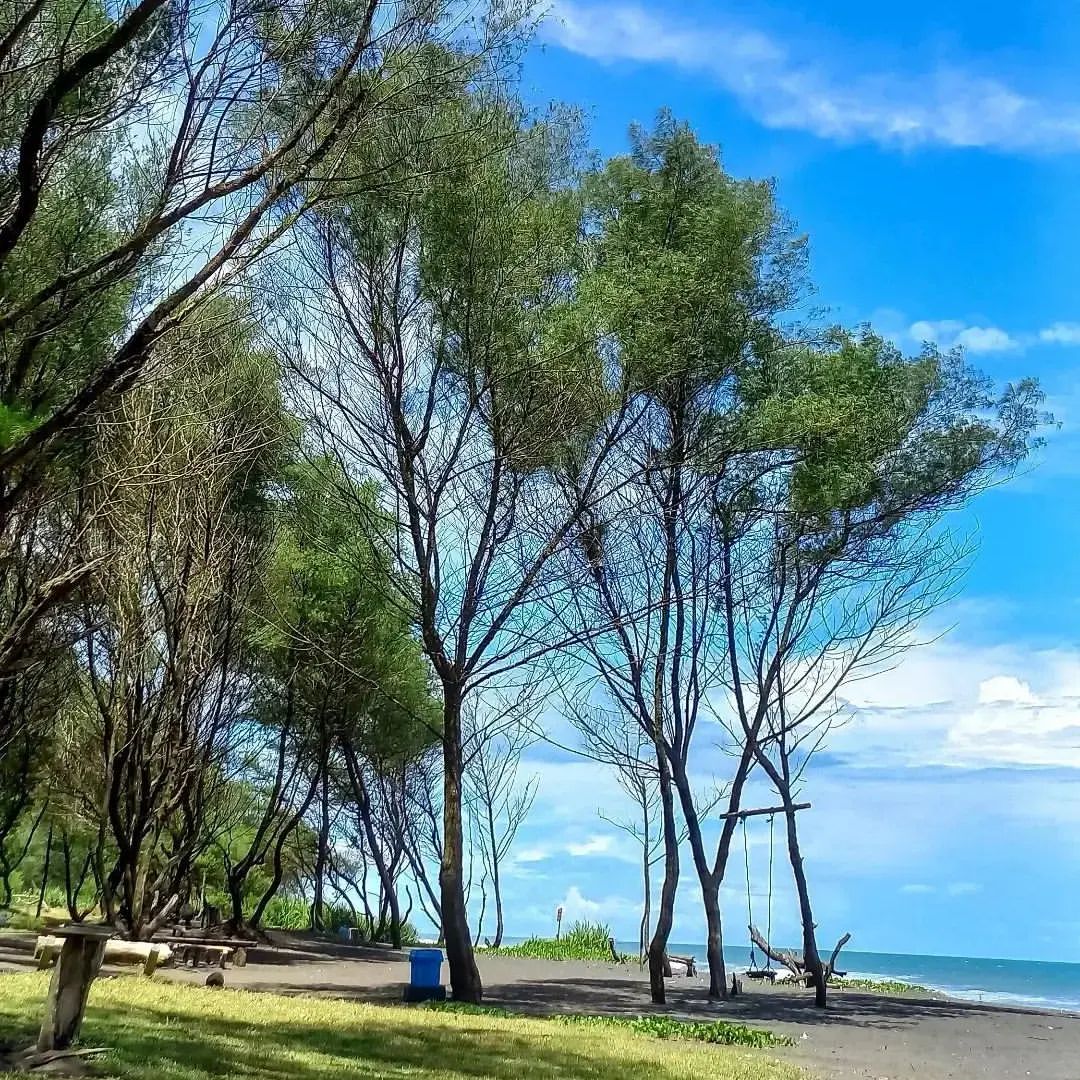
(76, 968)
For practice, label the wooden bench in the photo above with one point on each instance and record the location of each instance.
(196, 951)
(116, 951)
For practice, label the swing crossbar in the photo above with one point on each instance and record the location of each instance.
(744, 814)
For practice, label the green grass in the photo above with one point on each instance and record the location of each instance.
(717, 1032)
(583, 941)
(165, 1030)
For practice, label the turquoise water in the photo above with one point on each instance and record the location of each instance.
(1032, 983)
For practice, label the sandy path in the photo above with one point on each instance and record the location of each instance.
(859, 1036)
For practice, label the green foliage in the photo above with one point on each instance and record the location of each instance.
(689, 267)
(334, 640)
(583, 941)
(879, 986)
(287, 913)
(294, 913)
(718, 1032)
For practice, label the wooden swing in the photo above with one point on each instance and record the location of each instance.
(754, 971)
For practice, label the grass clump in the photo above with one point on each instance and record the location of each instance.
(583, 941)
(158, 1030)
(716, 1032)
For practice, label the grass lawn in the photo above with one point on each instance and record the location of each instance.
(160, 1029)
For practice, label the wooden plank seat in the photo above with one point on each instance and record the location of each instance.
(116, 951)
(196, 950)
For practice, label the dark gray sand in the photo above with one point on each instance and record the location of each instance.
(861, 1035)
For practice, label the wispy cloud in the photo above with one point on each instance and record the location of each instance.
(597, 844)
(785, 87)
(978, 337)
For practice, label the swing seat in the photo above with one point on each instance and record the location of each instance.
(760, 973)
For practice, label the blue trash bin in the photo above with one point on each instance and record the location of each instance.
(425, 976)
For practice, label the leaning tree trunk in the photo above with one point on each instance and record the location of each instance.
(322, 852)
(464, 975)
(666, 915)
(367, 823)
(709, 882)
(811, 960)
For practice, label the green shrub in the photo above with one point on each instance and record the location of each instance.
(294, 913)
(880, 986)
(287, 913)
(583, 941)
(718, 1032)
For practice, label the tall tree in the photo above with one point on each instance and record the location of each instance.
(340, 666)
(833, 544)
(441, 353)
(691, 272)
(181, 531)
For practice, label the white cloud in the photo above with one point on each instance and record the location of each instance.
(785, 88)
(576, 905)
(531, 854)
(965, 706)
(917, 889)
(974, 336)
(963, 888)
(951, 333)
(597, 844)
(1061, 333)
(1005, 689)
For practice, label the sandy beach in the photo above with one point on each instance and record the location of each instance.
(861, 1035)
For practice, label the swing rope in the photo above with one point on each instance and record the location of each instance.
(749, 896)
(749, 900)
(768, 932)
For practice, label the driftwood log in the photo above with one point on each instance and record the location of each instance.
(794, 961)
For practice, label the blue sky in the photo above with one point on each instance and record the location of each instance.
(932, 154)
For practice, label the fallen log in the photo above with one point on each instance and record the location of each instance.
(794, 962)
(687, 963)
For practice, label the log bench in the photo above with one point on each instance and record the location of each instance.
(195, 951)
(115, 951)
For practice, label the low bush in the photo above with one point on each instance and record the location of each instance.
(880, 986)
(583, 941)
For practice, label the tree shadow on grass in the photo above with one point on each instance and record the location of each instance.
(148, 1042)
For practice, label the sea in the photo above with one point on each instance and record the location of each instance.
(1034, 984)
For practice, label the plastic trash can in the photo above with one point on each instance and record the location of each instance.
(425, 976)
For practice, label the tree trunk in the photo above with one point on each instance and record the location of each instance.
(45, 873)
(464, 975)
(322, 851)
(811, 959)
(646, 907)
(709, 882)
(666, 914)
(279, 847)
(236, 901)
(386, 873)
(499, 928)
(714, 945)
